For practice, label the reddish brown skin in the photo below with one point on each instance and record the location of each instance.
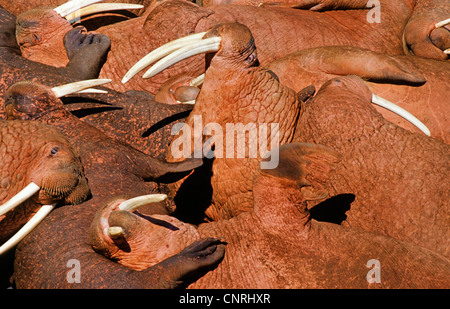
(30, 101)
(393, 196)
(114, 169)
(234, 83)
(335, 27)
(313, 5)
(278, 245)
(36, 268)
(17, 7)
(271, 46)
(133, 117)
(382, 184)
(413, 83)
(16, 68)
(420, 37)
(27, 157)
(177, 89)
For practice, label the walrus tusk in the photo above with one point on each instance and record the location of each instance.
(115, 232)
(19, 198)
(161, 52)
(191, 102)
(443, 23)
(199, 80)
(447, 51)
(134, 203)
(401, 112)
(204, 46)
(73, 5)
(101, 7)
(27, 228)
(80, 86)
(375, 100)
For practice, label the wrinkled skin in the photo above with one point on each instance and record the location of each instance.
(278, 245)
(114, 169)
(420, 36)
(335, 27)
(28, 101)
(382, 184)
(233, 83)
(32, 270)
(17, 7)
(86, 59)
(393, 195)
(177, 89)
(313, 5)
(133, 117)
(35, 269)
(46, 44)
(33, 152)
(415, 84)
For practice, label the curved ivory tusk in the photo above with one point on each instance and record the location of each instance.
(447, 51)
(72, 6)
(161, 52)
(101, 7)
(205, 46)
(92, 90)
(443, 23)
(134, 203)
(27, 228)
(199, 80)
(75, 87)
(401, 112)
(19, 198)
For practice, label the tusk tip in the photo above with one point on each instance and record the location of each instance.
(442, 23)
(115, 232)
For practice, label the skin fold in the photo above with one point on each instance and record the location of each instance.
(37, 102)
(420, 37)
(278, 245)
(123, 116)
(231, 68)
(33, 152)
(34, 269)
(369, 184)
(335, 27)
(380, 184)
(133, 118)
(18, 7)
(390, 192)
(177, 89)
(16, 68)
(413, 83)
(115, 169)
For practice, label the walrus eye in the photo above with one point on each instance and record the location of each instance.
(54, 150)
(251, 58)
